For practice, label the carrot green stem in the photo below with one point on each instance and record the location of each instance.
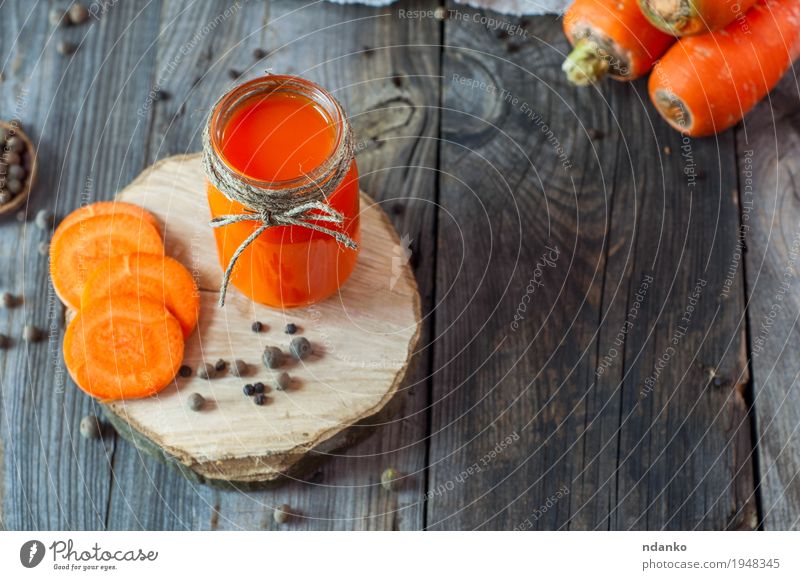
(586, 64)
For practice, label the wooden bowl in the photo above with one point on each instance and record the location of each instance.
(22, 196)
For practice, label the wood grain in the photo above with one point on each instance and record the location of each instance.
(521, 176)
(768, 144)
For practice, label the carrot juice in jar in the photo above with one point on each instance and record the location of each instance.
(283, 134)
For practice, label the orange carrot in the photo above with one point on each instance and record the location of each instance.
(105, 208)
(123, 348)
(689, 17)
(82, 246)
(610, 37)
(707, 83)
(159, 278)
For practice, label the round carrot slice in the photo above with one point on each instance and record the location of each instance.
(88, 243)
(124, 347)
(157, 277)
(107, 208)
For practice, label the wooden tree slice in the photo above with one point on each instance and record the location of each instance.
(363, 339)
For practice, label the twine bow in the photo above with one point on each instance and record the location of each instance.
(299, 206)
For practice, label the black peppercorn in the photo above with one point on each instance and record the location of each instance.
(185, 371)
(260, 399)
(291, 328)
(256, 326)
(220, 365)
(258, 387)
(249, 390)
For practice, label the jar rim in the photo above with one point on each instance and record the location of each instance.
(230, 101)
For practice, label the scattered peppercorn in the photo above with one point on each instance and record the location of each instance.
(260, 399)
(207, 371)
(234, 74)
(259, 53)
(258, 388)
(44, 219)
(31, 334)
(283, 381)
(300, 347)
(14, 186)
(196, 402)
(291, 328)
(282, 514)
(78, 13)
(249, 390)
(256, 326)
(273, 357)
(65, 47)
(239, 368)
(90, 427)
(220, 365)
(185, 371)
(4, 341)
(389, 479)
(7, 299)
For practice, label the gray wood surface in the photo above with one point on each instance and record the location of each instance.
(503, 425)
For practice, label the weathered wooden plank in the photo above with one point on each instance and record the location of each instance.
(391, 93)
(527, 432)
(78, 109)
(385, 72)
(768, 144)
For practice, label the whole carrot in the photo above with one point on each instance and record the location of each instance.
(707, 83)
(610, 37)
(688, 17)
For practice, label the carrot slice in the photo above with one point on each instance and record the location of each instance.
(124, 347)
(105, 208)
(157, 277)
(88, 243)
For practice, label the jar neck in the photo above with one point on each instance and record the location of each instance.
(330, 169)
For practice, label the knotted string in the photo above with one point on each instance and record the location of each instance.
(278, 207)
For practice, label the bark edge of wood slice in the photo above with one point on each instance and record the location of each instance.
(364, 340)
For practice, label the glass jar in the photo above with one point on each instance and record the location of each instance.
(281, 132)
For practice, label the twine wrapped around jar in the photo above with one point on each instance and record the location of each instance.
(284, 206)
